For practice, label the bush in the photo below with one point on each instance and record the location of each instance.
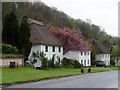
(89, 70)
(9, 49)
(51, 62)
(112, 61)
(28, 65)
(77, 64)
(71, 62)
(65, 62)
(44, 61)
(57, 63)
(82, 70)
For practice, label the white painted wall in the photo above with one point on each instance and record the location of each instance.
(49, 54)
(103, 57)
(5, 62)
(77, 56)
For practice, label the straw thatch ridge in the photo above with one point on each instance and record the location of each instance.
(100, 48)
(40, 35)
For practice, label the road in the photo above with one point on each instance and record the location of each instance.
(93, 80)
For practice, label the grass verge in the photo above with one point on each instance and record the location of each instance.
(24, 74)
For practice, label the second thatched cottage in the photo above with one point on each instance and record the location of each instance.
(43, 41)
(102, 53)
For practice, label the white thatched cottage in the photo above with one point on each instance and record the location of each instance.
(84, 57)
(43, 41)
(102, 53)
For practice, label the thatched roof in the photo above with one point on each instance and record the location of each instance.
(40, 35)
(100, 48)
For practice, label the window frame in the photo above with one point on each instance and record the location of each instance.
(53, 49)
(59, 49)
(46, 48)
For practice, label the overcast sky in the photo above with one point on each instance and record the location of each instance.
(103, 13)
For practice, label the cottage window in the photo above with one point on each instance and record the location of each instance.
(53, 48)
(81, 61)
(81, 53)
(88, 61)
(59, 49)
(46, 48)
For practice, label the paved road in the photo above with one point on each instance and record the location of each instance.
(95, 80)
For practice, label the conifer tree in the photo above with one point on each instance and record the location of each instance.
(10, 29)
(24, 44)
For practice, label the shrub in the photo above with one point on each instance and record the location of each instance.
(89, 70)
(57, 63)
(28, 65)
(9, 49)
(44, 61)
(65, 62)
(51, 62)
(112, 61)
(82, 70)
(77, 64)
(71, 62)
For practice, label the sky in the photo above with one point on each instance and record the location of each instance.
(103, 13)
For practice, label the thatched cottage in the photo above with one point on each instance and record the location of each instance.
(43, 41)
(84, 57)
(102, 53)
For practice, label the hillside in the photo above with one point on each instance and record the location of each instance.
(58, 18)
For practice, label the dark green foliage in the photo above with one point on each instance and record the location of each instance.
(93, 54)
(44, 61)
(116, 51)
(89, 70)
(51, 62)
(65, 61)
(10, 29)
(77, 64)
(82, 70)
(28, 65)
(9, 49)
(57, 63)
(34, 61)
(24, 43)
(71, 62)
(57, 18)
(34, 54)
(112, 61)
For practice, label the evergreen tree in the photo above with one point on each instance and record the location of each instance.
(24, 44)
(10, 29)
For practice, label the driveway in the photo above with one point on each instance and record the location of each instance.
(93, 80)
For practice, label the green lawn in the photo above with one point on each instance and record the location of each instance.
(22, 74)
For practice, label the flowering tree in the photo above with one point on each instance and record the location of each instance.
(71, 39)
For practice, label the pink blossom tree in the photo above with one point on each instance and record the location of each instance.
(71, 39)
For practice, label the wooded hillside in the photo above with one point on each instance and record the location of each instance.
(58, 18)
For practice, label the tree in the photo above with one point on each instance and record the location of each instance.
(116, 51)
(112, 61)
(93, 54)
(24, 43)
(10, 29)
(70, 38)
(72, 24)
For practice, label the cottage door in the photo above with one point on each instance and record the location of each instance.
(84, 62)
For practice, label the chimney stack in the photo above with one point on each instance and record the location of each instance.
(32, 21)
